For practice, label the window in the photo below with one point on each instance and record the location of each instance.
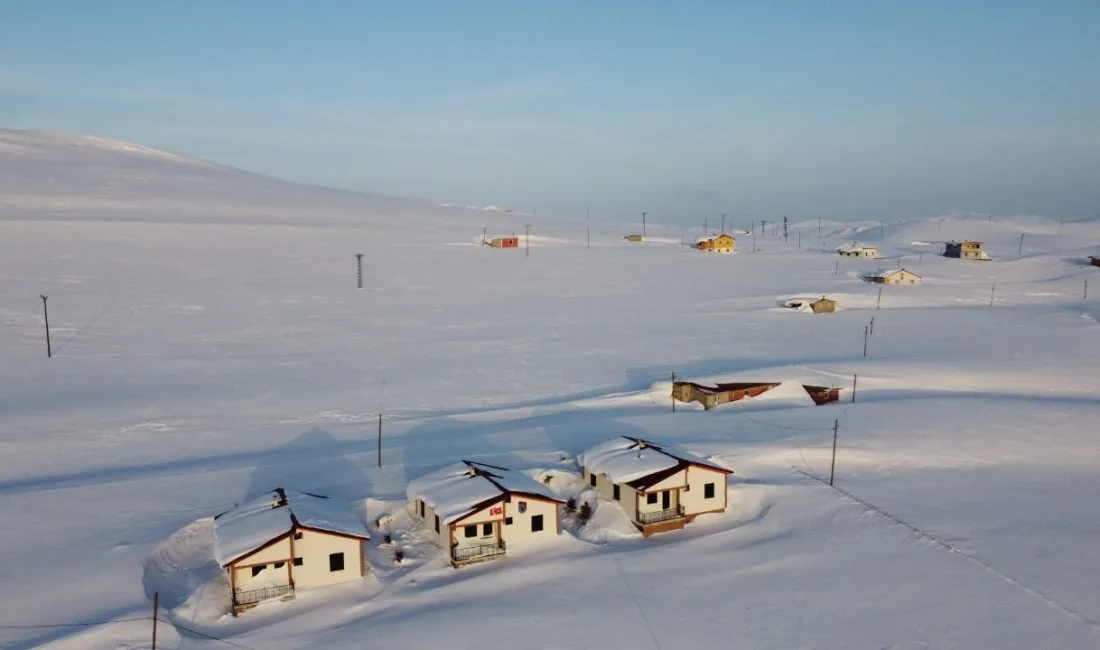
(651, 498)
(420, 505)
(536, 523)
(297, 561)
(507, 521)
(486, 530)
(437, 523)
(256, 570)
(336, 562)
(592, 480)
(297, 534)
(708, 491)
(469, 531)
(615, 492)
(279, 565)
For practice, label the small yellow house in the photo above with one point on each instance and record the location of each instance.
(658, 487)
(478, 511)
(857, 250)
(823, 306)
(893, 276)
(716, 243)
(633, 238)
(282, 541)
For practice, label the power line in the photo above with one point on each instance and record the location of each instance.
(207, 636)
(85, 624)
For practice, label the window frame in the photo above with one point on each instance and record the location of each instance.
(487, 529)
(334, 559)
(651, 499)
(469, 531)
(537, 524)
(709, 491)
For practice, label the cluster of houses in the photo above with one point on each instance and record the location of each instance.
(282, 541)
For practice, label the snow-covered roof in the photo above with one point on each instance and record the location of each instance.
(626, 459)
(707, 238)
(258, 521)
(855, 248)
(888, 272)
(456, 490)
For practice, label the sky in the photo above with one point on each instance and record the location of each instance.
(842, 110)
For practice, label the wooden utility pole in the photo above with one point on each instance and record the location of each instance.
(359, 263)
(866, 333)
(527, 238)
(878, 304)
(832, 467)
(855, 381)
(484, 230)
(381, 403)
(156, 610)
(674, 392)
(872, 326)
(992, 292)
(643, 225)
(784, 228)
(46, 314)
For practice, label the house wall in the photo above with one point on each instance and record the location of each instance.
(315, 547)
(903, 277)
(276, 552)
(492, 514)
(605, 491)
(520, 529)
(644, 505)
(443, 537)
(693, 498)
(270, 576)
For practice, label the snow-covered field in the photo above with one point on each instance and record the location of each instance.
(204, 354)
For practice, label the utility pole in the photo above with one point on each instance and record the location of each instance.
(872, 326)
(46, 314)
(832, 468)
(527, 239)
(992, 292)
(723, 223)
(754, 243)
(762, 231)
(1020, 250)
(483, 231)
(784, 228)
(156, 609)
(878, 305)
(819, 228)
(799, 240)
(836, 268)
(866, 333)
(855, 381)
(381, 402)
(643, 225)
(359, 262)
(674, 391)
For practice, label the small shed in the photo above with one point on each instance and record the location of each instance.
(504, 242)
(823, 306)
(1095, 260)
(633, 238)
(822, 394)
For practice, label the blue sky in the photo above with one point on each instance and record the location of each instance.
(684, 109)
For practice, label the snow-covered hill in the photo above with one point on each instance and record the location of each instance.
(79, 176)
(200, 359)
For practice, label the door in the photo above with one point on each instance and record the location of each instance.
(666, 500)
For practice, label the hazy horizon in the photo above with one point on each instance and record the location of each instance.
(847, 112)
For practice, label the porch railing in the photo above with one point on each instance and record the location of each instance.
(661, 515)
(257, 595)
(465, 553)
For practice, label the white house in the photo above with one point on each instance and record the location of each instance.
(892, 276)
(857, 250)
(477, 511)
(660, 488)
(286, 540)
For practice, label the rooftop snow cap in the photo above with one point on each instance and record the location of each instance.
(854, 248)
(464, 487)
(268, 517)
(626, 459)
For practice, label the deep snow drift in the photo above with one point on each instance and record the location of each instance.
(205, 361)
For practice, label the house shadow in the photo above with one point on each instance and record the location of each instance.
(315, 462)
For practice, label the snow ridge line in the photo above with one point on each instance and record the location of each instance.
(870, 507)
